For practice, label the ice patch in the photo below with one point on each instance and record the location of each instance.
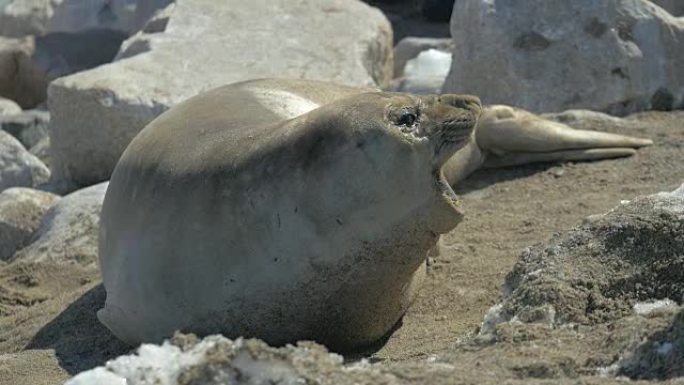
(153, 364)
(494, 316)
(430, 63)
(648, 308)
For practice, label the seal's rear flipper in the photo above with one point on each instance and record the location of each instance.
(515, 159)
(509, 136)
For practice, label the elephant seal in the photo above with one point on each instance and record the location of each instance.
(297, 210)
(224, 216)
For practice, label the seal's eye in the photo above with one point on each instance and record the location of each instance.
(407, 119)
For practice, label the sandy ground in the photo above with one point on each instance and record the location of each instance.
(48, 330)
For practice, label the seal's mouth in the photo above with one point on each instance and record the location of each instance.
(460, 114)
(445, 190)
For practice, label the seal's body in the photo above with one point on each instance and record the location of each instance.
(290, 209)
(224, 216)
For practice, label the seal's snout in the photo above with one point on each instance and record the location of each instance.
(459, 114)
(466, 102)
(455, 118)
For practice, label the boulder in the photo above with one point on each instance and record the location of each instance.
(8, 107)
(29, 127)
(18, 167)
(21, 210)
(38, 17)
(68, 232)
(616, 56)
(205, 44)
(216, 360)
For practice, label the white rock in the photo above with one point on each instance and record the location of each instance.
(208, 43)
(8, 107)
(617, 56)
(69, 230)
(18, 167)
(21, 210)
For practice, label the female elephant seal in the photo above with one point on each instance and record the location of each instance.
(221, 216)
(287, 210)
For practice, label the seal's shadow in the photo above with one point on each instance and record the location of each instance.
(79, 340)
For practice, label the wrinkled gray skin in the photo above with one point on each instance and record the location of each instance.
(286, 210)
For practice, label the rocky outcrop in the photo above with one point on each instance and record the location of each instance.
(616, 56)
(204, 44)
(599, 270)
(621, 270)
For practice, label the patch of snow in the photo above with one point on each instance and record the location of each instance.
(648, 308)
(431, 63)
(153, 364)
(494, 316)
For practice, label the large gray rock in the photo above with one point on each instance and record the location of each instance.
(216, 360)
(18, 167)
(68, 232)
(205, 44)
(21, 210)
(37, 17)
(617, 56)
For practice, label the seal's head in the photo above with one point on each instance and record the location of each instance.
(397, 141)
